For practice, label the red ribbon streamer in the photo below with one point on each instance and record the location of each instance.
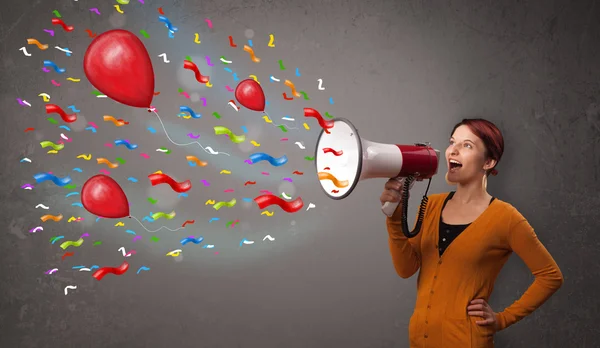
(191, 66)
(55, 109)
(310, 112)
(336, 153)
(56, 21)
(99, 274)
(179, 187)
(268, 200)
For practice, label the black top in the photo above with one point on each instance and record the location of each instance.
(448, 233)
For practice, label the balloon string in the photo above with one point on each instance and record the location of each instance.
(208, 149)
(133, 217)
(277, 125)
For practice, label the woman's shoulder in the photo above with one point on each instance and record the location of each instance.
(507, 212)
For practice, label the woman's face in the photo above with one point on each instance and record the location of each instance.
(465, 156)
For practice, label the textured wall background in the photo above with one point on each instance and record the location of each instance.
(401, 71)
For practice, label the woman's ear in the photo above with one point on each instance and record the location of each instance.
(489, 164)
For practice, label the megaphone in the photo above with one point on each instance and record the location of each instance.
(343, 159)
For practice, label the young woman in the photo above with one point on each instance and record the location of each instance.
(466, 238)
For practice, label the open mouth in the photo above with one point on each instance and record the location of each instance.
(454, 165)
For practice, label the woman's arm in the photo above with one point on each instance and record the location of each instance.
(548, 277)
(406, 253)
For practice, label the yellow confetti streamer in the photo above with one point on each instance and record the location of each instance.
(225, 172)
(209, 85)
(306, 126)
(85, 157)
(267, 119)
(254, 78)
(119, 224)
(267, 213)
(118, 8)
(255, 143)
(73, 79)
(210, 201)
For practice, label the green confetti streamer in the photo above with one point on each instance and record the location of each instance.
(154, 239)
(54, 146)
(56, 13)
(216, 114)
(281, 65)
(96, 93)
(236, 139)
(98, 242)
(51, 120)
(71, 186)
(309, 158)
(69, 243)
(160, 214)
(305, 95)
(143, 32)
(328, 114)
(282, 127)
(152, 200)
(120, 160)
(187, 58)
(229, 204)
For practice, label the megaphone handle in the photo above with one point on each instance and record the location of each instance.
(389, 208)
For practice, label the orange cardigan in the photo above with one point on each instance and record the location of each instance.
(466, 271)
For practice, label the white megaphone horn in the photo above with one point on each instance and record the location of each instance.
(343, 159)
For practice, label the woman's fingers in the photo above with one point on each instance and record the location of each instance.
(485, 322)
(475, 307)
(393, 184)
(477, 313)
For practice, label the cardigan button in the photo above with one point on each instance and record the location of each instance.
(425, 336)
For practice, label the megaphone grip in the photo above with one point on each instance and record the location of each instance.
(389, 208)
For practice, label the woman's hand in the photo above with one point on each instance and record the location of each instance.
(480, 308)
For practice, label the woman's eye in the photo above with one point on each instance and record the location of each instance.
(468, 146)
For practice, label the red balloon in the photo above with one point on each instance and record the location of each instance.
(250, 94)
(101, 195)
(118, 65)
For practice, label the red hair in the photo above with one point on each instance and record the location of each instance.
(489, 134)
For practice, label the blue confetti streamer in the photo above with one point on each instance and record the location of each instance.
(235, 77)
(92, 129)
(247, 199)
(213, 219)
(71, 194)
(275, 162)
(78, 170)
(41, 177)
(130, 232)
(250, 43)
(72, 107)
(151, 130)
(189, 110)
(57, 238)
(143, 268)
(65, 127)
(132, 179)
(245, 129)
(228, 70)
(191, 239)
(298, 72)
(167, 23)
(330, 100)
(183, 194)
(54, 66)
(77, 204)
(126, 143)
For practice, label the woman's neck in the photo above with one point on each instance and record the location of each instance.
(471, 192)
